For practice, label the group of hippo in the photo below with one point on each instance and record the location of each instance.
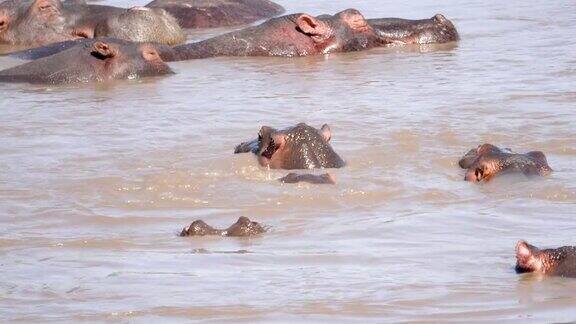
(305, 147)
(73, 41)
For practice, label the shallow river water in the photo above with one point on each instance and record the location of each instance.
(97, 180)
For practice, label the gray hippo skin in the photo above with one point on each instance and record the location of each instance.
(165, 51)
(218, 13)
(435, 30)
(141, 24)
(97, 61)
(35, 23)
(291, 35)
(487, 161)
(292, 177)
(242, 228)
(554, 262)
(298, 147)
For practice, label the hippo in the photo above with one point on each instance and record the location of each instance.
(141, 24)
(486, 161)
(242, 228)
(437, 29)
(165, 51)
(32, 23)
(289, 36)
(297, 147)
(292, 177)
(554, 262)
(218, 13)
(99, 61)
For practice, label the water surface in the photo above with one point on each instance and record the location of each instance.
(97, 180)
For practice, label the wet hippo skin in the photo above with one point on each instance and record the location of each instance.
(96, 61)
(487, 161)
(554, 262)
(40, 22)
(297, 147)
(292, 177)
(291, 35)
(434, 30)
(218, 13)
(141, 24)
(242, 228)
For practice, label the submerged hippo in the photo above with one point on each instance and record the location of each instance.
(98, 61)
(298, 147)
(554, 262)
(243, 227)
(486, 161)
(40, 22)
(218, 13)
(141, 24)
(291, 35)
(292, 177)
(437, 29)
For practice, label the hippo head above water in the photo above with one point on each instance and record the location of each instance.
(437, 29)
(486, 161)
(97, 61)
(291, 35)
(298, 147)
(556, 262)
(33, 22)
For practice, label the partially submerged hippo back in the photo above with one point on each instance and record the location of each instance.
(437, 29)
(242, 228)
(291, 35)
(166, 52)
(96, 61)
(488, 160)
(218, 13)
(555, 262)
(141, 24)
(298, 147)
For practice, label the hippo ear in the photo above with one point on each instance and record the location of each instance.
(312, 26)
(102, 51)
(525, 251)
(47, 8)
(325, 132)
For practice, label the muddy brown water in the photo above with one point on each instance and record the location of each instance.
(97, 180)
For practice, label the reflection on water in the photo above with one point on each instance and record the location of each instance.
(97, 180)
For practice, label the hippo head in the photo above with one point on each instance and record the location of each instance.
(488, 160)
(95, 61)
(437, 29)
(142, 24)
(559, 261)
(244, 227)
(470, 157)
(484, 167)
(199, 228)
(33, 23)
(345, 31)
(298, 147)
